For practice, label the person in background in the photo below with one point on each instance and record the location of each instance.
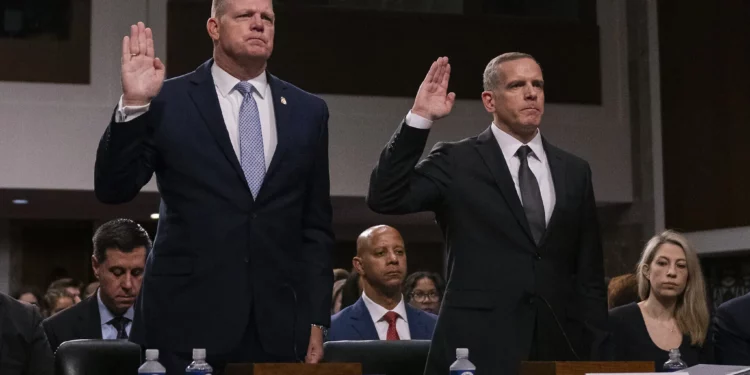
(622, 290)
(381, 313)
(29, 295)
(424, 290)
(90, 289)
(352, 289)
(338, 286)
(673, 312)
(70, 286)
(340, 274)
(55, 301)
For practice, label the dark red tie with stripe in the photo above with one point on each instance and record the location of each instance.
(391, 317)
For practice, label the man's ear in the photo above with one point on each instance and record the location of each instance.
(95, 266)
(212, 26)
(357, 264)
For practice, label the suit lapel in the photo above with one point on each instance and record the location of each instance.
(203, 94)
(282, 112)
(361, 321)
(557, 167)
(495, 161)
(416, 328)
(90, 320)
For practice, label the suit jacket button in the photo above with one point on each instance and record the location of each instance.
(246, 260)
(538, 256)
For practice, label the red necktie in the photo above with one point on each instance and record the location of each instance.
(391, 317)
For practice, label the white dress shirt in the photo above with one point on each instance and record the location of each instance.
(109, 332)
(230, 101)
(377, 313)
(538, 162)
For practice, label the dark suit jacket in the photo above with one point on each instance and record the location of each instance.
(501, 284)
(355, 323)
(732, 332)
(81, 321)
(23, 346)
(218, 253)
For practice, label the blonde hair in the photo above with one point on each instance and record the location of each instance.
(691, 310)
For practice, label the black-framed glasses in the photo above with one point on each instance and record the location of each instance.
(424, 297)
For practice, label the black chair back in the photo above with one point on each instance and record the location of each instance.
(401, 357)
(87, 357)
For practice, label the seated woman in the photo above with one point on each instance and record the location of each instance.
(424, 291)
(673, 312)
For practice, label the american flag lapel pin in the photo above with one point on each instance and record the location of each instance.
(283, 100)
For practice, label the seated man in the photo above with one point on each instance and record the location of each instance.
(23, 346)
(69, 286)
(120, 248)
(381, 314)
(732, 332)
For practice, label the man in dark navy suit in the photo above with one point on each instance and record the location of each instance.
(732, 332)
(381, 313)
(241, 260)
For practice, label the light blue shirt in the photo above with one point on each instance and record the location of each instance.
(108, 331)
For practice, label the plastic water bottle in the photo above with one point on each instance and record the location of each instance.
(462, 366)
(152, 365)
(674, 363)
(199, 365)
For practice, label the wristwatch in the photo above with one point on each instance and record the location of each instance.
(323, 329)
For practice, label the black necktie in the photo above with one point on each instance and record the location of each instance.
(531, 197)
(120, 322)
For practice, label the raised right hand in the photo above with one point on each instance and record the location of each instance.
(142, 73)
(433, 101)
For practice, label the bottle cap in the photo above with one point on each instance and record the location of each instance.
(199, 354)
(462, 352)
(152, 354)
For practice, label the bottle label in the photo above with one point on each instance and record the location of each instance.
(462, 372)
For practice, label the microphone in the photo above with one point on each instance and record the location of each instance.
(294, 323)
(559, 325)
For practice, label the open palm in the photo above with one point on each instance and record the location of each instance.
(433, 100)
(142, 73)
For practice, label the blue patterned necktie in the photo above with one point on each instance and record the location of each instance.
(252, 158)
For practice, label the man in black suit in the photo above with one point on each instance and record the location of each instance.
(23, 346)
(241, 262)
(519, 218)
(732, 332)
(120, 248)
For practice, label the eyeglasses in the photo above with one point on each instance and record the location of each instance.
(422, 297)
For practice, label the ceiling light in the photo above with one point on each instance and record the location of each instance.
(155, 216)
(20, 201)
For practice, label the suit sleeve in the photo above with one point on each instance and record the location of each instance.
(398, 185)
(124, 160)
(40, 360)
(318, 232)
(729, 345)
(590, 266)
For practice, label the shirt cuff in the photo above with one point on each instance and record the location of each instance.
(125, 114)
(416, 121)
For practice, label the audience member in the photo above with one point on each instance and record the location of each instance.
(381, 312)
(732, 332)
(338, 286)
(351, 290)
(424, 290)
(90, 289)
(29, 295)
(55, 301)
(622, 290)
(70, 286)
(673, 312)
(120, 248)
(23, 346)
(340, 274)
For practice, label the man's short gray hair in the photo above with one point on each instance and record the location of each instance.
(491, 77)
(217, 8)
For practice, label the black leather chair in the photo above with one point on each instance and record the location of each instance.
(403, 357)
(87, 357)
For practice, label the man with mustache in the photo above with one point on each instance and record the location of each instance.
(120, 249)
(241, 264)
(381, 313)
(525, 267)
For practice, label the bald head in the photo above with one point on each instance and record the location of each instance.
(367, 238)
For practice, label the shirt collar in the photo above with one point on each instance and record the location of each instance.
(226, 83)
(377, 312)
(105, 316)
(510, 145)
